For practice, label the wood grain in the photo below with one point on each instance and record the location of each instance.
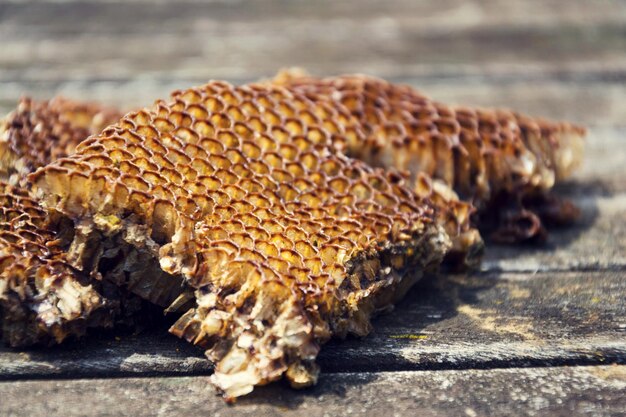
(388, 48)
(535, 56)
(449, 322)
(563, 391)
(222, 40)
(443, 13)
(498, 342)
(596, 242)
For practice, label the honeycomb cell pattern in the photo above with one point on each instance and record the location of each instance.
(240, 189)
(42, 300)
(246, 192)
(480, 153)
(39, 132)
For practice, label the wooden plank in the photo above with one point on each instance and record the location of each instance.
(80, 16)
(245, 50)
(452, 322)
(54, 41)
(576, 391)
(537, 56)
(603, 165)
(597, 241)
(495, 320)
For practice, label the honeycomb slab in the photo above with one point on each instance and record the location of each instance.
(275, 216)
(240, 190)
(502, 162)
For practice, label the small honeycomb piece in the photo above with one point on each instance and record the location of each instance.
(39, 132)
(240, 190)
(42, 298)
(504, 163)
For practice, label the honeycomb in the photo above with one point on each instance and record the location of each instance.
(42, 299)
(259, 205)
(240, 190)
(490, 158)
(39, 132)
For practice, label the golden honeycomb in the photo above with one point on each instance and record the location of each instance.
(39, 132)
(241, 191)
(42, 299)
(491, 158)
(246, 202)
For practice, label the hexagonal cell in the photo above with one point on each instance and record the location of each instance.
(277, 257)
(491, 158)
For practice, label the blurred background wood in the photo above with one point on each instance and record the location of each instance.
(501, 340)
(554, 57)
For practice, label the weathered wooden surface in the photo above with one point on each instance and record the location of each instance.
(497, 342)
(560, 59)
(559, 391)
(598, 240)
(116, 39)
(449, 322)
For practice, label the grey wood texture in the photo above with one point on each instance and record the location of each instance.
(555, 58)
(559, 391)
(537, 331)
(449, 322)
